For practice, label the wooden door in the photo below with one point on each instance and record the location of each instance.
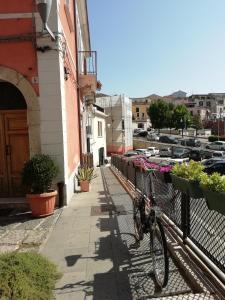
(16, 150)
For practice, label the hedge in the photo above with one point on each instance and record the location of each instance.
(214, 138)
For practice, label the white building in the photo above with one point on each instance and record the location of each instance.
(96, 134)
(119, 136)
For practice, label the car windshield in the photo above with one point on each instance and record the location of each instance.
(179, 150)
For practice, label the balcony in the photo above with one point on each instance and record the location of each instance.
(87, 61)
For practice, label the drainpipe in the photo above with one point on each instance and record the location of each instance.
(77, 74)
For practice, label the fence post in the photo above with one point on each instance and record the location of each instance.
(185, 215)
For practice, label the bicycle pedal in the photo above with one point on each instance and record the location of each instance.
(135, 245)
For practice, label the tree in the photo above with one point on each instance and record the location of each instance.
(197, 123)
(170, 116)
(157, 112)
(182, 118)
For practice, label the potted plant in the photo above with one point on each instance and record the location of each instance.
(214, 191)
(186, 177)
(37, 175)
(84, 176)
(163, 173)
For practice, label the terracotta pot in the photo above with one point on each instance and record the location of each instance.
(42, 205)
(84, 186)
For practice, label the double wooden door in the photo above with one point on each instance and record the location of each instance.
(14, 151)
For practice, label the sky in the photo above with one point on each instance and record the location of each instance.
(158, 46)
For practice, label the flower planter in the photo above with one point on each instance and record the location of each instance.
(163, 176)
(188, 187)
(180, 184)
(42, 205)
(84, 186)
(215, 201)
(195, 190)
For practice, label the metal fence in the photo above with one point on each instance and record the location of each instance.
(204, 227)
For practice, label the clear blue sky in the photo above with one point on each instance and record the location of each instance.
(159, 46)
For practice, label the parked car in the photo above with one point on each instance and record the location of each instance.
(180, 153)
(152, 137)
(218, 154)
(130, 153)
(196, 154)
(218, 166)
(146, 152)
(153, 150)
(165, 152)
(192, 142)
(167, 139)
(217, 145)
(210, 161)
(143, 133)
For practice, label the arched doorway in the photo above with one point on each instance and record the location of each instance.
(14, 140)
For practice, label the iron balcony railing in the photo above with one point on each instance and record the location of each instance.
(87, 61)
(204, 228)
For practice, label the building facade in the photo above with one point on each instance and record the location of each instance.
(119, 136)
(44, 82)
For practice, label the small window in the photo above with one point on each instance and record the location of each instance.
(99, 129)
(200, 103)
(137, 109)
(208, 103)
(137, 115)
(143, 115)
(123, 126)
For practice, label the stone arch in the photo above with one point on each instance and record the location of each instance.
(33, 107)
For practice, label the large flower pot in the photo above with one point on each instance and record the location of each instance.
(188, 187)
(180, 184)
(42, 205)
(163, 176)
(215, 201)
(194, 190)
(84, 186)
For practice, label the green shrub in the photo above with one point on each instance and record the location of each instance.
(214, 182)
(38, 173)
(26, 276)
(192, 171)
(214, 138)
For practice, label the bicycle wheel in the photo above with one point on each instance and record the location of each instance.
(138, 230)
(158, 248)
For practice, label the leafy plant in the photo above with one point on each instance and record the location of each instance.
(38, 173)
(214, 182)
(192, 171)
(27, 276)
(86, 174)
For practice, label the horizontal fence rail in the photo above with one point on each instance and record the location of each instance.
(204, 227)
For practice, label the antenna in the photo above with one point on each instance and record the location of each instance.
(44, 8)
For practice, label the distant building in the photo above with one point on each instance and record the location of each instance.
(207, 106)
(119, 135)
(140, 118)
(96, 133)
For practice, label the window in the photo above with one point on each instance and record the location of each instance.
(137, 114)
(99, 129)
(137, 109)
(208, 103)
(123, 126)
(200, 103)
(143, 115)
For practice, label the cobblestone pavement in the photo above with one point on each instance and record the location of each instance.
(20, 231)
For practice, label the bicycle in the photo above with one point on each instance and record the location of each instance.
(146, 215)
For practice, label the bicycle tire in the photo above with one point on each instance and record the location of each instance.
(159, 254)
(138, 230)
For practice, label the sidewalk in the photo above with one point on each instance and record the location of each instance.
(91, 242)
